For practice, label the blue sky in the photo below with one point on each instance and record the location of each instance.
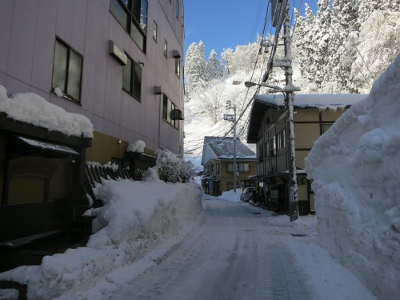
(227, 23)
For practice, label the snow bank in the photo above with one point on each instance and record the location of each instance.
(231, 196)
(356, 170)
(33, 109)
(136, 218)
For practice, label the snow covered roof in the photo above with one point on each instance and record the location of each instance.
(34, 109)
(222, 148)
(320, 101)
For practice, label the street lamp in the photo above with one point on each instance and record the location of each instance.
(289, 88)
(232, 118)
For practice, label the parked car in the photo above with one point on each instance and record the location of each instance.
(246, 194)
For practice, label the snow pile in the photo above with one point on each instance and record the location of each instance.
(137, 217)
(33, 109)
(230, 196)
(356, 169)
(137, 146)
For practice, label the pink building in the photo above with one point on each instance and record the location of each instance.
(117, 62)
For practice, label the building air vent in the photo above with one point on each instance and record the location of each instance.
(176, 54)
(117, 53)
(157, 90)
(176, 114)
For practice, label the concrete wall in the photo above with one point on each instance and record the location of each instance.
(28, 30)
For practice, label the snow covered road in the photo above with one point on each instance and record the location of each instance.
(232, 254)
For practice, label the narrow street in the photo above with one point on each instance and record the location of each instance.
(233, 254)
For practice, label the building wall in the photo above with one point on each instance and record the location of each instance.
(28, 30)
(309, 125)
(225, 177)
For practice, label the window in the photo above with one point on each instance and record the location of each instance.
(217, 168)
(67, 71)
(266, 149)
(278, 141)
(260, 152)
(132, 79)
(239, 167)
(281, 140)
(178, 67)
(169, 109)
(155, 31)
(132, 15)
(177, 9)
(165, 48)
(273, 146)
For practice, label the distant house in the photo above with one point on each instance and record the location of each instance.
(313, 115)
(117, 63)
(217, 159)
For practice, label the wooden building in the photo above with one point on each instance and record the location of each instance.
(217, 160)
(313, 115)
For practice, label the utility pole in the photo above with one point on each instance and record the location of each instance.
(293, 188)
(232, 118)
(280, 15)
(234, 148)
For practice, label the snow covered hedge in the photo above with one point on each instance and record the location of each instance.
(356, 170)
(172, 168)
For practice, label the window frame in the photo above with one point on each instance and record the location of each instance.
(240, 167)
(273, 146)
(177, 9)
(266, 149)
(132, 25)
(132, 79)
(67, 71)
(165, 50)
(168, 107)
(155, 31)
(178, 67)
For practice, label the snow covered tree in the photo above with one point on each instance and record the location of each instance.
(214, 67)
(378, 44)
(213, 100)
(243, 58)
(172, 168)
(332, 52)
(195, 68)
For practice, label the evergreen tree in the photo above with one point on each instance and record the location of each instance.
(346, 47)
(214, 68)
(195, 68)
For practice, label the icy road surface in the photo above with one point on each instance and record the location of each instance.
(232, 254)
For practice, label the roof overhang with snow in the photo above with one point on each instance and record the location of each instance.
(28, 130)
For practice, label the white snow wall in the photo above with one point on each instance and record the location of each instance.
(356, 172)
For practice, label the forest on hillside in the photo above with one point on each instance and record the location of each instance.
(341, 48)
